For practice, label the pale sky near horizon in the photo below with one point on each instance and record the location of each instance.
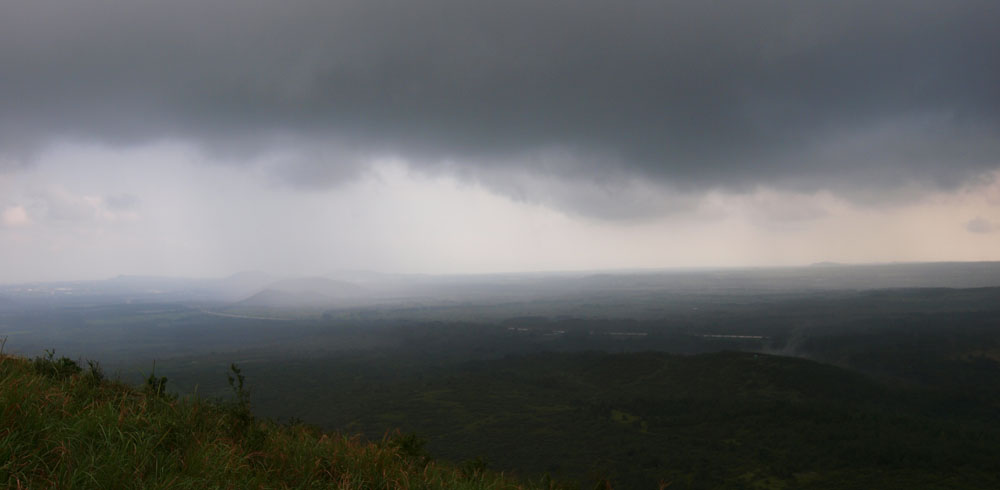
(204, 138)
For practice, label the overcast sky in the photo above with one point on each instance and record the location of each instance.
(205, 137)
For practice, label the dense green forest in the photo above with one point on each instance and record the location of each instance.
(722, 420)
(633, 420)
(892, 388)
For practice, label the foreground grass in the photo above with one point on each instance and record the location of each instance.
(64, 427)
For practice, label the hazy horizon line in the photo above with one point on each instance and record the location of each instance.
(536, 272)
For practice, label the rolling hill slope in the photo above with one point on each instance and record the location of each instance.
(62, 427)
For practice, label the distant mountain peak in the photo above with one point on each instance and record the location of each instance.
(827, 263)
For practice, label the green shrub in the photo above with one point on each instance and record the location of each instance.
(48, 365)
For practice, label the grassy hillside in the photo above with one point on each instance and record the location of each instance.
(66, 427)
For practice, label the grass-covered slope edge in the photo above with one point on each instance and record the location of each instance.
(66, 427)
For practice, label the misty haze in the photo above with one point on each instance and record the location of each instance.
(500, 245)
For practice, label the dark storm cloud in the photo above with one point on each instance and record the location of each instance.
(850, 95)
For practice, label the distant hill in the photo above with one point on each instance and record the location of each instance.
(63, 427)
(321, 285)
(245, 283)
(250, 277)
(362, 277)
(826, 264)
(270, 298)
(303, 293)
